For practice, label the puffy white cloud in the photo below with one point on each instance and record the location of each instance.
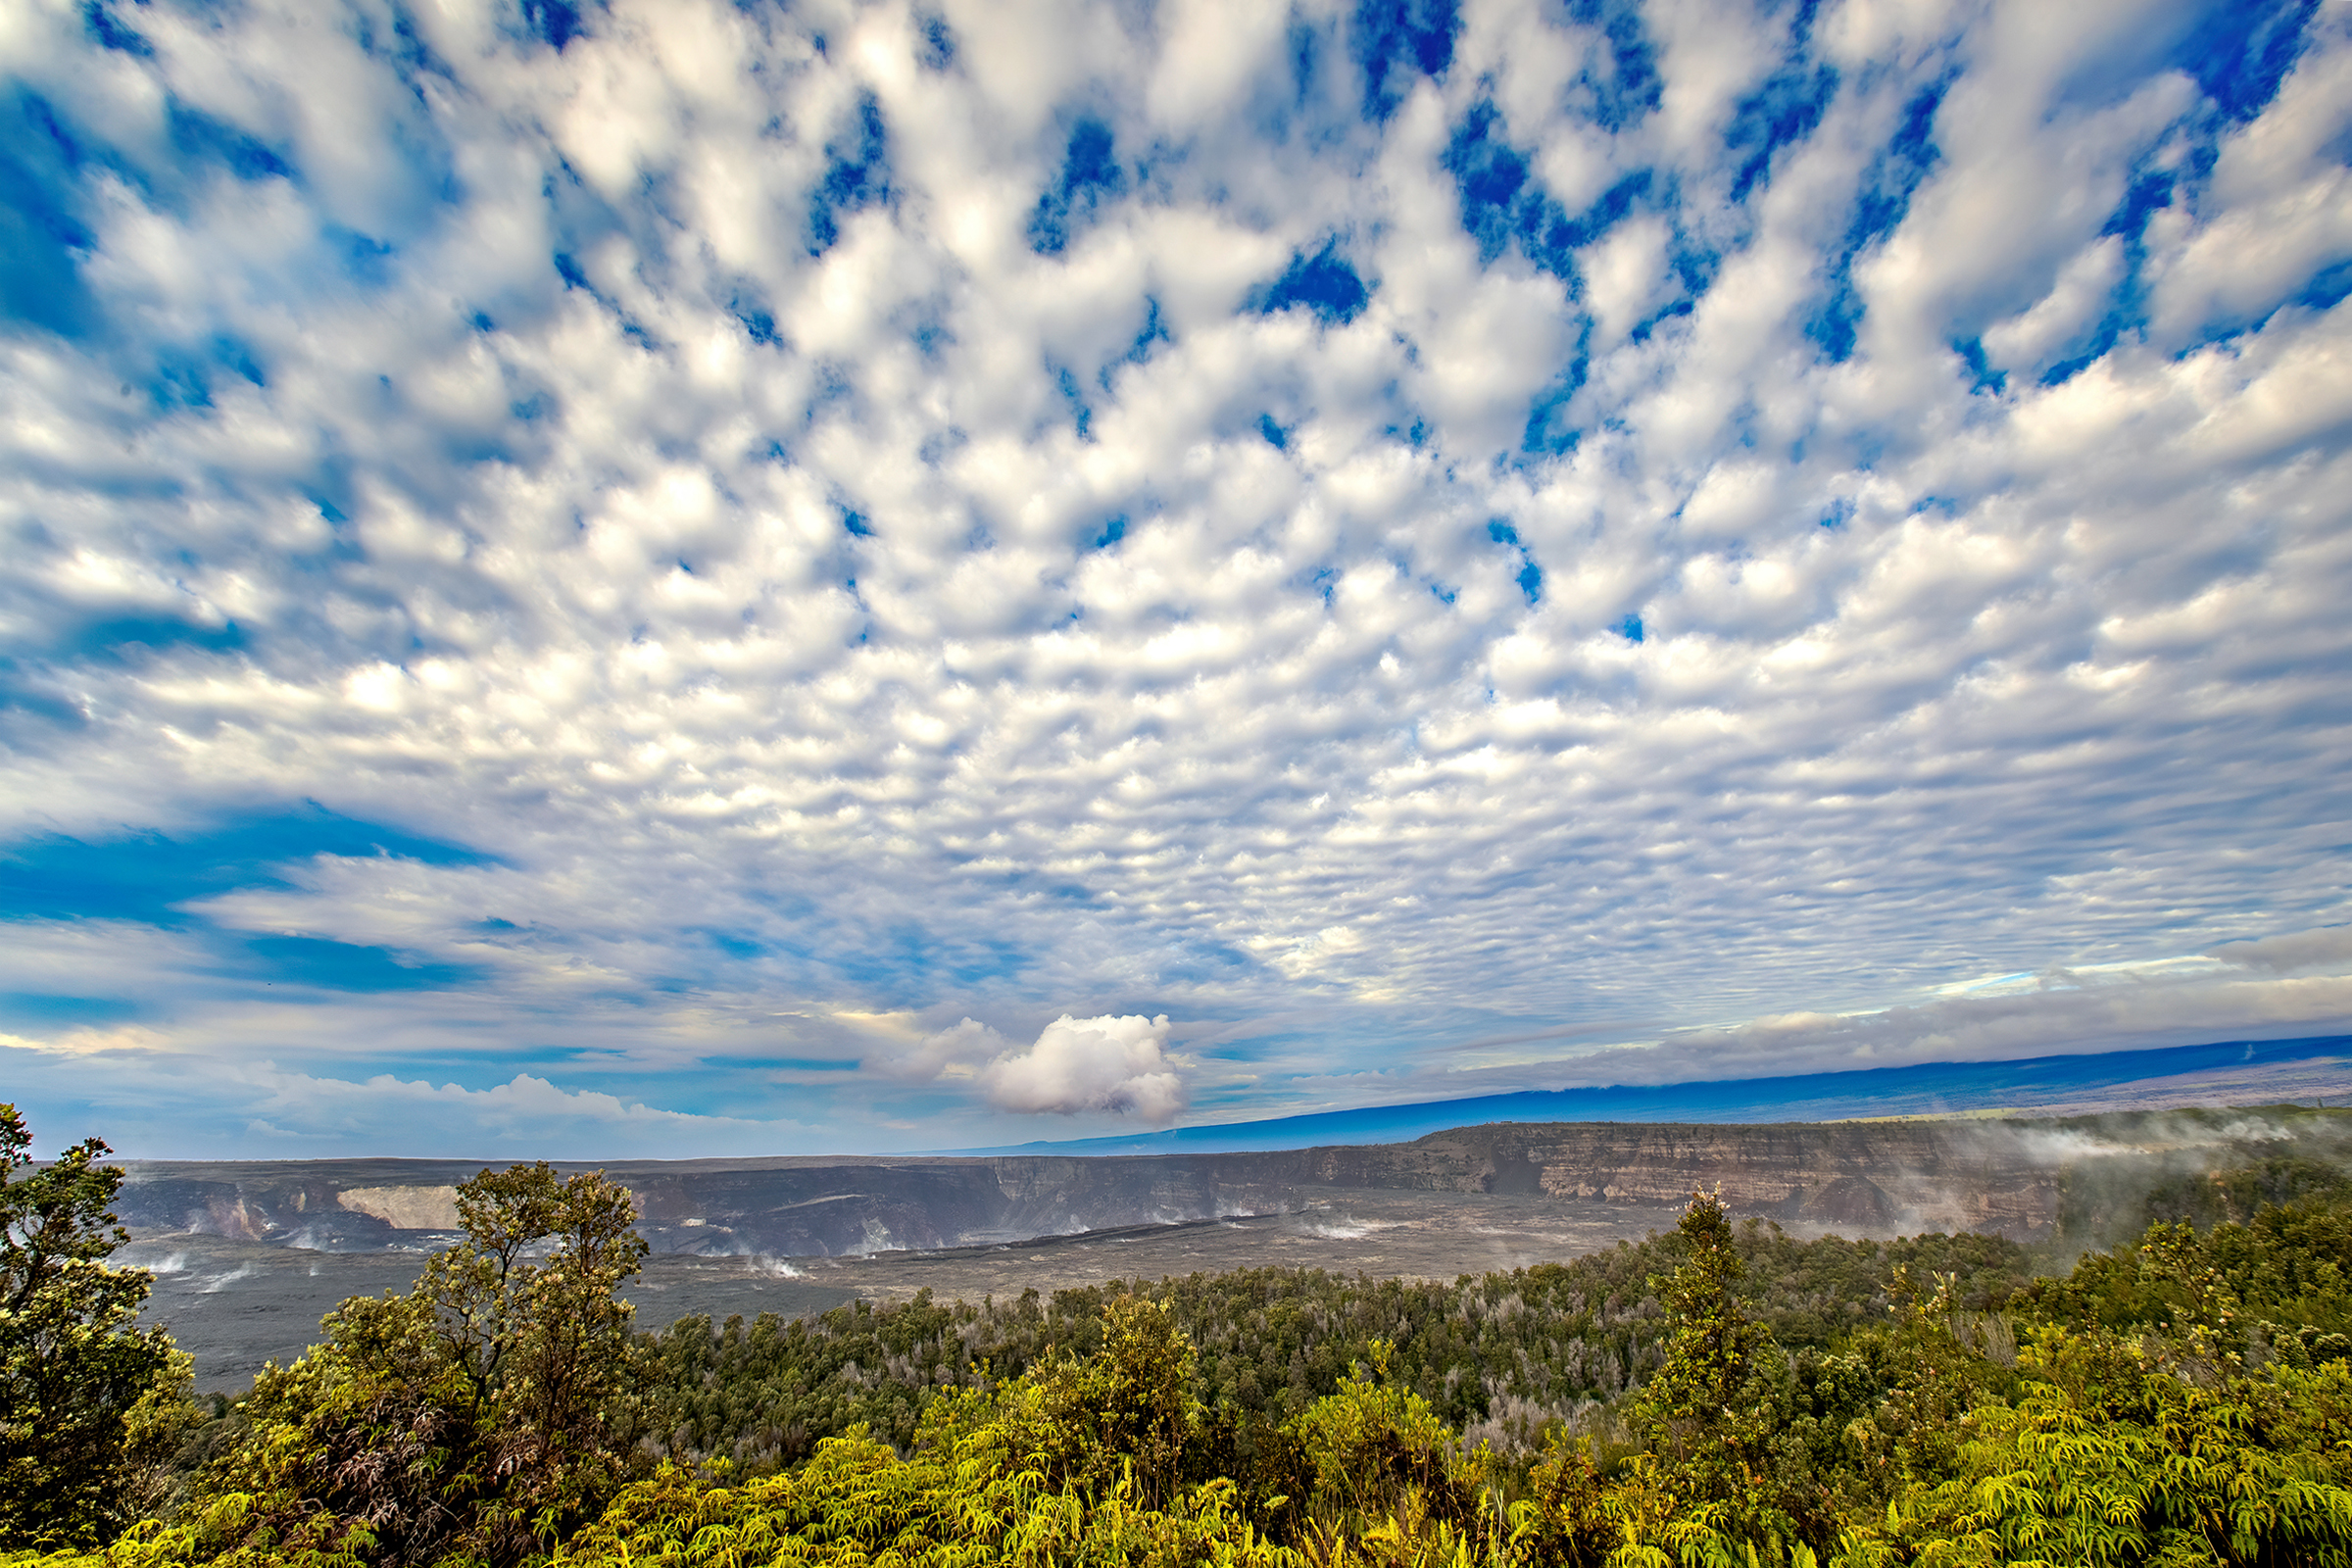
(816, 505)
(955, 1050)
(1117, 1065)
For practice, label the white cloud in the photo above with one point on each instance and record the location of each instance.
(2300, 950)
(1115, 1065)
(150, 1100)
(2029, 340)
(2279, 205)
(953, 1050)
(1254, 667)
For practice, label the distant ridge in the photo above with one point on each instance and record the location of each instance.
(2237, 1072)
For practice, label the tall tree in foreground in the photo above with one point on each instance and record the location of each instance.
(1708, 1413)
(474, 1415)
(74, 1362)
(1691, 1410)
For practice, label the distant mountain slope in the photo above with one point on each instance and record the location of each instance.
(2226, 1072)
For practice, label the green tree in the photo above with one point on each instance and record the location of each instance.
(1373, 1450)
(1711, 1414)
(74, 1362)
(475, 1414)
(543, 1346)
(1124, 1417)
(1689, 1409)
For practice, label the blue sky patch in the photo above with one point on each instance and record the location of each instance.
(1894, 174)
(1504, 204)
(556, 21)
(1548, 432)
(141, 876)
(41, 238)
(2327, 288)
(1073, 397)
(367, 260)
(121, 637)
(2240, 51)
(1982, 377)
(736, 946)
(21, 1010)
(1530, 576)
(1782, 112)
(1395, 42)
(1501, 201)
(316, 962)
(1155, 333)
(913, 963)
(1091, 177)
(198, 135)
(111, 33)
(757, 325)
(1325, 284)
(857, 176)
(1302, 51)
(1626, 87)
(938, 49)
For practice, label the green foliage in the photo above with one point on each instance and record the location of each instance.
(953, 1504)
(1131, 1406)
(1699, 1409)
(164, 1440)
(1712, 1413)
(2193, 1475)
(1566, 1518)
(2211, 1198)
(1371, 1450)
(474, 1415)
(762, 1396)
(1501, 1354)
(75, 1366)
(2280, 1283)
(2184, 1400)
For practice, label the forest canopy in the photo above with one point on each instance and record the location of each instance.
(1721, 1394)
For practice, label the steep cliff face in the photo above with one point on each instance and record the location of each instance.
(1884, 1177)
(1907, 1176)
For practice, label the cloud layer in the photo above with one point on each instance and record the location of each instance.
(672, 552)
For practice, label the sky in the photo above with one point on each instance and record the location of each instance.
(681, 578)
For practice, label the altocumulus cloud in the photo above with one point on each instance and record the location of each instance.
(596, 578)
